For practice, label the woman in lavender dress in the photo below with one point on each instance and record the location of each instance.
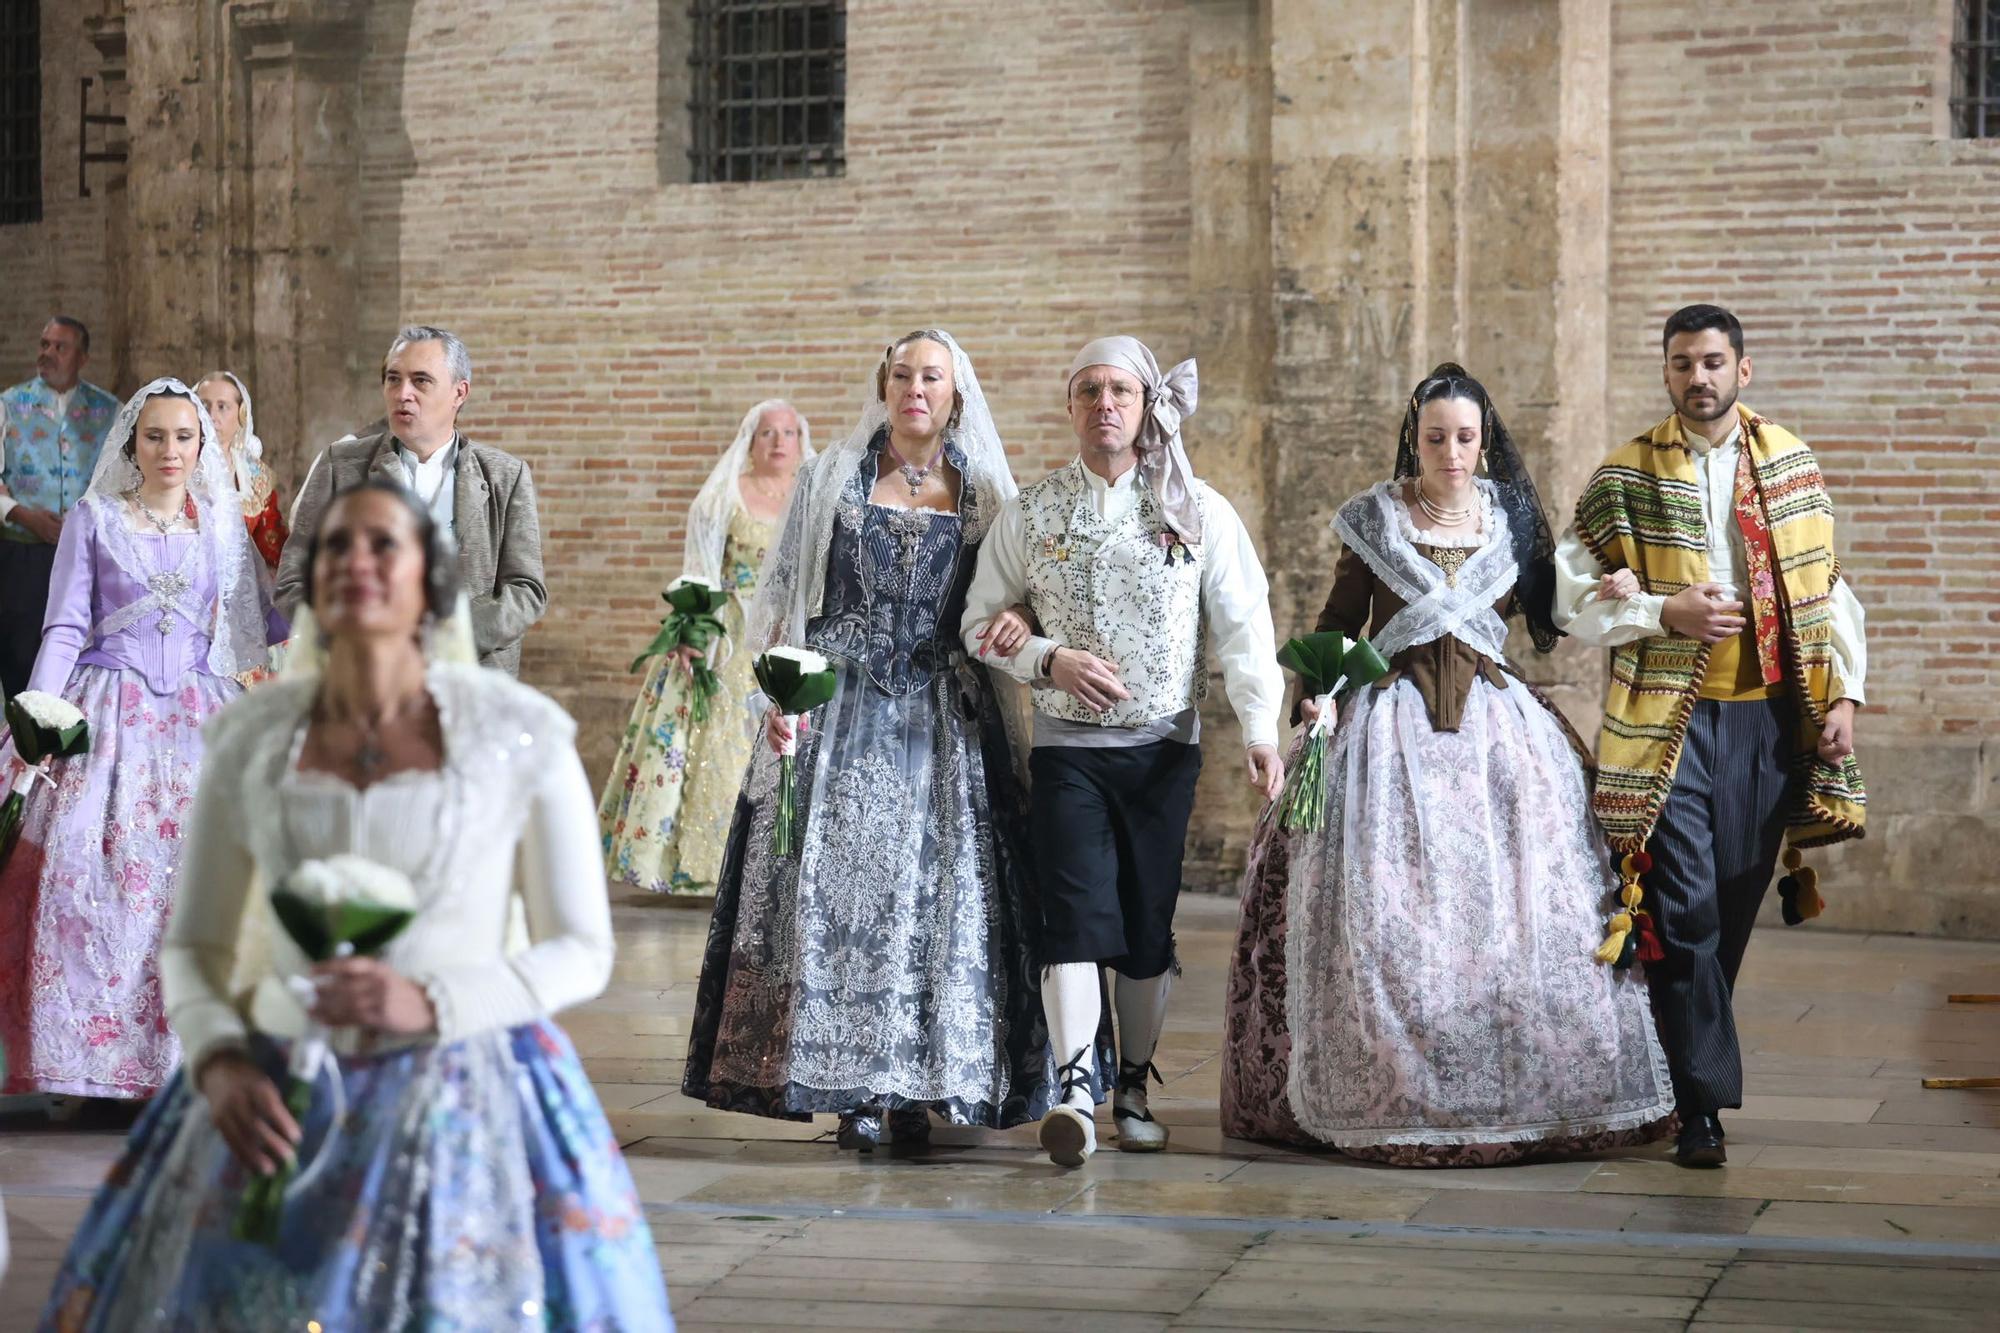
(154, 607)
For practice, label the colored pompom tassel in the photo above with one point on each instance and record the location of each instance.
(1650, 949)
(1798, 892)
(1627, 933)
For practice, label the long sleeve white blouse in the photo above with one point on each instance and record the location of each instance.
(1235, 601)
(501, 845)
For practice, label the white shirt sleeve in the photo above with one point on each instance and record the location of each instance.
(560, 877)
(1850, 647)
(1001, 581)
(1579, 611)
(1236, 598)
(199, 949)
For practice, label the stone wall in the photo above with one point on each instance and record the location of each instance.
(1795, 165)
(1318, 200)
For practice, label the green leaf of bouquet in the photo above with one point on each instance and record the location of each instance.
(303, 922)
(1363, 665)
(1315, 657)
(367, 926)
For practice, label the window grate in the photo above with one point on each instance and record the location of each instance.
(20, 111)
(769, 89)
(1975, 70)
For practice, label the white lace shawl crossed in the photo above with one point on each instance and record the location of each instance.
(1375, 525)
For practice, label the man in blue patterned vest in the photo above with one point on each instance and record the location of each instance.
(54, 425)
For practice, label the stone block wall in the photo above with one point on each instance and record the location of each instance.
(1792, 161)
(1316, 199)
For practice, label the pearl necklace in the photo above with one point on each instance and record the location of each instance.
(1441, 514)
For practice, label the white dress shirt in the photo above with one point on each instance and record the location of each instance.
(433, 481)
(1607, 624)
(1235, 600)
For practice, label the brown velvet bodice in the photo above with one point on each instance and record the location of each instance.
(1442, 670)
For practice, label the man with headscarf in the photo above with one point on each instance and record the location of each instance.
(1126, 562)
(483, 496)
(53, 427)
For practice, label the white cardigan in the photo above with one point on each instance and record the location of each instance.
(500, 843)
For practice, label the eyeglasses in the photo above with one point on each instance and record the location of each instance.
(1121, 393)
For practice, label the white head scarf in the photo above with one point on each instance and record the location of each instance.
(1170, 399)
(792, 585)
(237, 636)
(722, 494)
(245, 462)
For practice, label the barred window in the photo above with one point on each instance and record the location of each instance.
(20, 111)
(1975, 70)
(768, 85)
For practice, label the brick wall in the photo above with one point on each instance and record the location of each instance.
(1787, 160)
(1016, 174)
(58, 265)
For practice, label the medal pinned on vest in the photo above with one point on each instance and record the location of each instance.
(1052, 550)
(1175, 546)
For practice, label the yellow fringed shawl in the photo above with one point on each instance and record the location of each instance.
(1642, 511)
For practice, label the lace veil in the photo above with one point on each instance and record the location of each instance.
(237, 636)
(1534, 544)
(792, 586)
(722, 494)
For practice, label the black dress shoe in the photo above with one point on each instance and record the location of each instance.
(1700, 1142)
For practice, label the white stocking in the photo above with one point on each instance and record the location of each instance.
(1141, 1005)
(1071, 1000)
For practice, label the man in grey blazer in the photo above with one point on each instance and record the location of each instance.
(481, 495)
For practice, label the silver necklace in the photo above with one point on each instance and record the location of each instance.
(1442, 514)
(163, 526)
(913, 476)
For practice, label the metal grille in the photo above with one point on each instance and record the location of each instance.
(1975, 70)
(769, 89)
(20, 111)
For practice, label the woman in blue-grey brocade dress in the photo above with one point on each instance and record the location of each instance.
(888, 969)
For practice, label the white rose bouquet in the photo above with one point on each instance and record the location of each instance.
(42, 726)
(693, 620)
(342, 907)
(797, 680)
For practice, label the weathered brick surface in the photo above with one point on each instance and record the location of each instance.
(1033, 174)
(1016, 174)
(1788, 162)
(57, 265)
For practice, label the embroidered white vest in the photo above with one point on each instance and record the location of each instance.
(1115, 589)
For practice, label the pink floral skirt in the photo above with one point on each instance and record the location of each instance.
(85, 894)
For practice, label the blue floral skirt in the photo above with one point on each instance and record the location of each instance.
(472, 1186)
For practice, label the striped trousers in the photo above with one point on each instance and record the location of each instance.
(1714, 850)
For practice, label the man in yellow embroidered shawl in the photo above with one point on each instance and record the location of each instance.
(1702, 556)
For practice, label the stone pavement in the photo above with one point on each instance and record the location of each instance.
(1853, 1199)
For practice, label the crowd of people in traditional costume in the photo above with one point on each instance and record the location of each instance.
(308, 875)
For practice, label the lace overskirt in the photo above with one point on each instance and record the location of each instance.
(890, 961)
(1419, 975)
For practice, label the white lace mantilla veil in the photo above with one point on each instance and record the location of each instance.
(253, 448)
(792, 585)
(791, 588)
(237, 635)
(722, 494)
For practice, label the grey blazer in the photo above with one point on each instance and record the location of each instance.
(499, 535)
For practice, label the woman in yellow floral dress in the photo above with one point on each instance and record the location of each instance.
(672, 789)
